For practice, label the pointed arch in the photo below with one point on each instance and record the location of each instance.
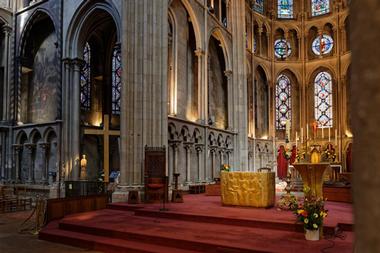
(76, 37)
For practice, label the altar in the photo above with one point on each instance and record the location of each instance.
(255, 189)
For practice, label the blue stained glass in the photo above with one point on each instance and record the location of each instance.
(320, 7)
(258, 5)
(282, 48)
(285, 9)
(323, 102)
(322, 44)
(116, 81)
(85, 79)
(283, 101)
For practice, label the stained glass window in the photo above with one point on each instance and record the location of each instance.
(282, 48)
(258, 5)
(320, 7)
(85, 79)
(285, 9)
(323, 44)
(116, 81)
(323, 100)
(283, 101)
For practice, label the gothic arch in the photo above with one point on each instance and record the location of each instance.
(76, 37)
(34, 135)
(21, 137)
(48, 133)
(314, 72)
(36, 16)
(194, 22)
(218, 35)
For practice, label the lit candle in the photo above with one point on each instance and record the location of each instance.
(323, 134)
(296, 139)
(288, 129)
(329, 135)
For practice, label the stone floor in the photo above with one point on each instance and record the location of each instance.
(11, 241)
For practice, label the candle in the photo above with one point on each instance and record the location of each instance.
(329, 135)
(336, 137)
(288, 129)
(323, 135)
(296, 139)
(302, 135)
(307, 132)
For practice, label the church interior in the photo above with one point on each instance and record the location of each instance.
(189, 125)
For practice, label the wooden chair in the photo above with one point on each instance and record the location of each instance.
(154, 189)
(155, 174)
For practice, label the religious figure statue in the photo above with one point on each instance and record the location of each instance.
(83, 166)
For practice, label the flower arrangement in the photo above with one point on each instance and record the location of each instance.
(300, 155)
(287, 153)
(312, 212)
(225, 167)
(330, 154)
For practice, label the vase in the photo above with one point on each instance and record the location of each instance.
(312, 235)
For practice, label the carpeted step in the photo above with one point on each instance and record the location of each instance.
(103, 244)
(196, 236)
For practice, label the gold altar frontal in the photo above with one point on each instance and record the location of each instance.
(255, 189)
(312, 176)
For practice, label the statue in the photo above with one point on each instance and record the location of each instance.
(83, 166)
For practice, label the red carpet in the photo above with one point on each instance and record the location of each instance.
(200, 224)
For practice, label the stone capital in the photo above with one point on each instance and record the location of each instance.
(199, 52)
(174, 144)
(30, 146)
(199, 147)
(17, 147)
(6, 29)
(188, 145)
(77, 63)
(228, 73)
(44, 145)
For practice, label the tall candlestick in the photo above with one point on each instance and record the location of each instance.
(329, 135)
(323, 135)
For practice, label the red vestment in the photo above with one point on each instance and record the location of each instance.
(282, 163)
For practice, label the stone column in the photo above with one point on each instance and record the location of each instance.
(259, 42)
(144, 90)
(17, 150)
(45, 158)
(75, 120)
(202, 107)
(365, 79)
(213, 153)
(187, 147)
(2, 171)
(230, 99)
(30, 147)
(199, 149)
(66, 113)
(174, 146)
(221, 156)
(6, 80)
(239, 78)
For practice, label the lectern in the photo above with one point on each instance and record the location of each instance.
(312, 176)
